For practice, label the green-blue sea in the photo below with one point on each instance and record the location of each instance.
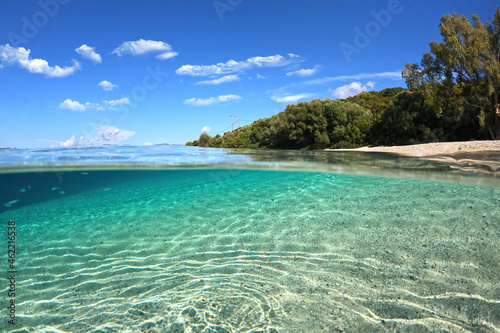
(186, 239)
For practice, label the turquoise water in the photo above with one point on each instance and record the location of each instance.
(174, 239)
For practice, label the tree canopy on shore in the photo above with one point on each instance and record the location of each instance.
(464, 72)
(453, 94)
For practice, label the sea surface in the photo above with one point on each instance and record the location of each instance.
(187, 239)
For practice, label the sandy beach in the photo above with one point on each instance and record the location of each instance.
(435, 148)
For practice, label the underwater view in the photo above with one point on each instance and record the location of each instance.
(250, 166)
(186, 239)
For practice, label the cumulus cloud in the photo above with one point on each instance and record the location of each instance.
(224, 79)
(89, 53)
(232, 66)
(107, 86)
(71, 142)
(148, 143)
(112, 134)
(304, 72)
(206, 129)
(290, 98)
(68, 104)
(103, 135)
(351, 89)
(261, 76)
(72, 105)
(10, 56)
(142, 46)
(212, 100)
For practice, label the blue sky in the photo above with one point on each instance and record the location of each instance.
(76, 72)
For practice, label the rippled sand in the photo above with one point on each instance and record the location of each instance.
(261, 251)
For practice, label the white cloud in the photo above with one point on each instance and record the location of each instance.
(370, 84)
(325, 80)
(117, 102)
(206, 129)
(72, 105)
(148, 143)
(68, 104)
(166, 55)
(232, 66)
(142, 46)
(270, 61)
(19, 56)
(304, 72)
(212, 100)
(224, 79)
(384, 75)
(228, 98)
(71, 142)
(112, 134)
(351, 89)
(261, 76)
(103, 135)
(107, 86)
(89, 53)
(290, 98)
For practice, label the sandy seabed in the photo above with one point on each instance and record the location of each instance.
(261, 251)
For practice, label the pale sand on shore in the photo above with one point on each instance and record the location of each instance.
(428, 149)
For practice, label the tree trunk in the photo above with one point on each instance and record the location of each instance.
(495, 129)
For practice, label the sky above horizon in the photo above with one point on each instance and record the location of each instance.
(79, 73)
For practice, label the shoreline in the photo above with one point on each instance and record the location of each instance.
(434, 148)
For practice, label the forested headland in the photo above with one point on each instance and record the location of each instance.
(453, 94)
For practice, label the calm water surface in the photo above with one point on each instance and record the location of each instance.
(184, 239)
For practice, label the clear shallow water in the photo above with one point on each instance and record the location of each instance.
(193, 240)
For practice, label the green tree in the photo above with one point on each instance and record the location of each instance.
(204, 140)
(412, 119)
(306, 124)
(216, 141)
(344, 120)
(466, 69)
(375, 101)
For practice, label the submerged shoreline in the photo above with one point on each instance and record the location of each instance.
(255, 250)
(434, 148)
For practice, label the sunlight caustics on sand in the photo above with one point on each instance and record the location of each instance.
(240, 250)
(232, 250)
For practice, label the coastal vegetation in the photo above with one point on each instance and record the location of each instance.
(453, 94)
